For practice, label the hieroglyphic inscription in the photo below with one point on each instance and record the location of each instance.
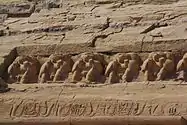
(34, 108)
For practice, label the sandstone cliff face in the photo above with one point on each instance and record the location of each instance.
(93, 44)
(45, 27)
(97, 25)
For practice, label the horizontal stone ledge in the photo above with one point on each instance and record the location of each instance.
(178, 45)
(132, 120)
(165, 45)
(46, 50)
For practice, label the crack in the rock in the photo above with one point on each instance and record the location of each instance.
(173, 17)
(142, 42)
(103, 36)
(161, 23)
(93, 8)
(60, 93)
(154, 26)
(41, 36)
(64, 35)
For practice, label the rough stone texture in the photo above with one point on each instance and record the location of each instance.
(40, 28)
(109, 26)
(17, 10)
(78, 104)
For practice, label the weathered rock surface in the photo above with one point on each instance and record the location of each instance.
(105, 26)
(17, 10)
(32, 31)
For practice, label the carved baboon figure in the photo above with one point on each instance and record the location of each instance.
(24, 69)
(21, 59)
(77, 70)
(27, 69)
(95, 72)
(60, 67)
(159, 58)
(68, 62)
(182, 68)
(123, 60)
(59, 71)
(13, 72)
(112, 71)
(125, 67)
(100, 62)
(91, 75)
(149, 67)
(45, 71)
(121, 57)
(168, 67)
(54, 58)
(94, 62)
(86, 57)
(132, 69)
(136, 57)
(63, 67)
